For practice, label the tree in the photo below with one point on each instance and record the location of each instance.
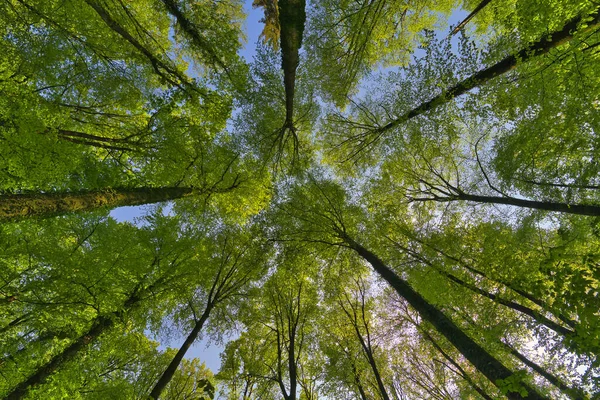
(231, 271)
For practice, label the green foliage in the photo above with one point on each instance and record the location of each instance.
(101, 94)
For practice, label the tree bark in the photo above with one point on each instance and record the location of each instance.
(18, 206)
(487, 364)
(166, 377)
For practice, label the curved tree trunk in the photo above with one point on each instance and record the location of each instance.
(485, 363)
(166, 377)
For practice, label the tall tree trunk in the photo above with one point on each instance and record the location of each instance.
(575, 394)
(292, 366)
(100, 325)
(487, 364)
(369, 354)
(17, 206)
(373, 364)
(192, 31)
(168, 72)
(469, 17)
(580, 209)
(166, 377)
(292, 16)
(542, 46)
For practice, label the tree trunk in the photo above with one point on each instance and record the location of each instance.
(292, 16)
(369, 354)
(580, 209)
(162, 68)
(98, 327)
(166, 377)
(508, 303)
(292, 366)
(18, 206)
(574, 394)
(188, 27)
(469, 17)
(380, 385)
(487, 364)
(542, 46)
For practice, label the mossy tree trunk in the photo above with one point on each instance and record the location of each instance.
(18, 206)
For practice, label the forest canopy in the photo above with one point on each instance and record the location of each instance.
(391, 200)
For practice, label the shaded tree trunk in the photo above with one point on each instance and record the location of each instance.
(292, 16)
(166, 377)
(487, 364)
(17, 206)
